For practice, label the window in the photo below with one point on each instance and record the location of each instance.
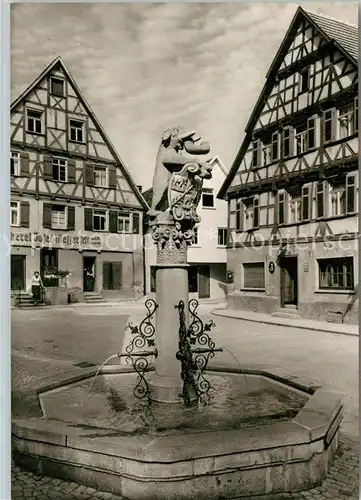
(251, 213)
(346, 121)
(76, 131)
(336, 274)
(301, 139)
(304, 80)
(281, 216)
(329, 125)
(195, 236)
(311, 132)
(274, 143)
(57, 87)
(59, 169)
(207, 198)
(15, 213)
(300, 206)
(100, 176)
(253, 275)
(34, 121)
(14, 163)
(99, 220)
(222, 236)
(124, 222)
(267, 154)
(256, 153)
(320, 200)
(288, 142)
(58, 217)
(341, 189)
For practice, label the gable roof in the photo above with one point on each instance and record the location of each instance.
(58, 63)
(345, 38)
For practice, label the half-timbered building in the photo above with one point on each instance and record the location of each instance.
(293, 188)
(74, 205)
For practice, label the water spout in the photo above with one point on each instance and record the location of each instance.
(100, 367)
(238, 363)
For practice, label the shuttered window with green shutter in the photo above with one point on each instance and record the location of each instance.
(253, 275)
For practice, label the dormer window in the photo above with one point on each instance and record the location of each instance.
(57, 87)
(304, 80)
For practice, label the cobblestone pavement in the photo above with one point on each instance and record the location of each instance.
(49, 341)
(341, 483)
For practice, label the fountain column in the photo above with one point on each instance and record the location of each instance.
(171, 287)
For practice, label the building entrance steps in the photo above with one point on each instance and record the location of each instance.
(305, 324)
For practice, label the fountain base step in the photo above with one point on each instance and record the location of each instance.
(187, 461)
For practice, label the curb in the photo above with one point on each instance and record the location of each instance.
(265, 321)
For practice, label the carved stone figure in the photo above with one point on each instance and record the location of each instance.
(171, 157)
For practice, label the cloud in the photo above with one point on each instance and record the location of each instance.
(144, 67)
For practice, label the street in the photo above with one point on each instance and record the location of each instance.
(53, 340)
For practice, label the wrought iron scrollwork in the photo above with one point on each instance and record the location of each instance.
(195, 359)
(144, 337)
(184, 355)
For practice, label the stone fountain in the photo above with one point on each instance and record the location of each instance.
(173, 424)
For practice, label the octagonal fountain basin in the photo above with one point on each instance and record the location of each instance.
(257, 435)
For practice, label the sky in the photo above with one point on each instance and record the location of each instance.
(146, 67)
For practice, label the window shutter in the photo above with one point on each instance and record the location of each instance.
(254, 275)
(71, 218)
(136, 223)
(117, 275)
(47, 215)
(350, 194)
(24, 214)
(255, 212)
(88, 219)
(112, 178)
(89, 174)
(334, 124)
(24, 165)
(320, 200)
(71, 171)
(306, 202)
(47, 168)
(113, 221)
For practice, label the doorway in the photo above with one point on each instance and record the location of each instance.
(48, 262)
(289, 281)
(18, 272)
(204, 282)
(89, 274)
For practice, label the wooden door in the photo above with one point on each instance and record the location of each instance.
(89, 274)
(289, 281)
(18, 272)
(204, 282)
